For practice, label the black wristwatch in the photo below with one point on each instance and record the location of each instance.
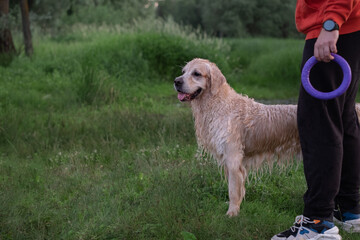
(330, 25)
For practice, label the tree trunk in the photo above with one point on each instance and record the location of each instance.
(24, 5)
(6, 41)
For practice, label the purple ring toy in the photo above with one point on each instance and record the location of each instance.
(326, 95)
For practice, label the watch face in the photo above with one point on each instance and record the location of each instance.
(329, 25)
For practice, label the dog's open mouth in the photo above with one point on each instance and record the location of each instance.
(188, 96)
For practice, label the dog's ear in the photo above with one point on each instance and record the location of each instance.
(216, 79)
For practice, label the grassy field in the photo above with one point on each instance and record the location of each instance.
(95, 145)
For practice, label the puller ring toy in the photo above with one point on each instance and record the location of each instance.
(326, 95)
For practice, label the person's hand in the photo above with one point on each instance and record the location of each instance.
(326, 44)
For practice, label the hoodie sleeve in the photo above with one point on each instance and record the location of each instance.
(339, 10)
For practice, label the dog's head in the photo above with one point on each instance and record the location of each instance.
(199, 76)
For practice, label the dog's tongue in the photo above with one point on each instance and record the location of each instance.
(182, 96)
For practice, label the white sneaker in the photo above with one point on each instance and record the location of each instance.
(309, 229)
(350, 222)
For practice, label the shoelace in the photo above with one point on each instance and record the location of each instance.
(300, 220)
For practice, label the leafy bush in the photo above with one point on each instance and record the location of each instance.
(276, 68)
(167, 54)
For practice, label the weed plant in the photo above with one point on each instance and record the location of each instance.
(95, 145)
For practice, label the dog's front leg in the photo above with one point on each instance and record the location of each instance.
(236, 174)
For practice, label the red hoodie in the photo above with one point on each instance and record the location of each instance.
(311, 14)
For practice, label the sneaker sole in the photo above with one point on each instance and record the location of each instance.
(351, 226)
(326, 237)
(318, 237)
(331, 234)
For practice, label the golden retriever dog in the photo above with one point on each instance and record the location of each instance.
(237, 131)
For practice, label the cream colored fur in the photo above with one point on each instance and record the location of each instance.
(237, 131)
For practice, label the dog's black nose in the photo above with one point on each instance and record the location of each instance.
(178, 81)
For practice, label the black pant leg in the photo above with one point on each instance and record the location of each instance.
(349, 196)
(320, 131)
(323, 130)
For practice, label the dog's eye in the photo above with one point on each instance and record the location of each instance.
(196, 74)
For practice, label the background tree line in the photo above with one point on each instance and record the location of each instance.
(230, 18)
(234, 18)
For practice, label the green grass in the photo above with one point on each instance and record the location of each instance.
(95, 145)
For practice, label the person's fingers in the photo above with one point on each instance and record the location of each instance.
(327, 56)
(333, 48)
(321, 54)
(316, 53)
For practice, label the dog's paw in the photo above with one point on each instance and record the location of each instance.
(233, 211)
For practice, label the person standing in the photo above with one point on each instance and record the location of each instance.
(329, 129)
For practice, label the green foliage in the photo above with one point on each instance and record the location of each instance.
(183, 12)
(107, 11)
(167, 54)
(52, 16)
(275, 19)
(234, 18)
(6, 59)
(188, 236)
(225, 19)
(91, 89)
(231, 18)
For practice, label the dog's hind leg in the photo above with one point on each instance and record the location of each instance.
(236, 174)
